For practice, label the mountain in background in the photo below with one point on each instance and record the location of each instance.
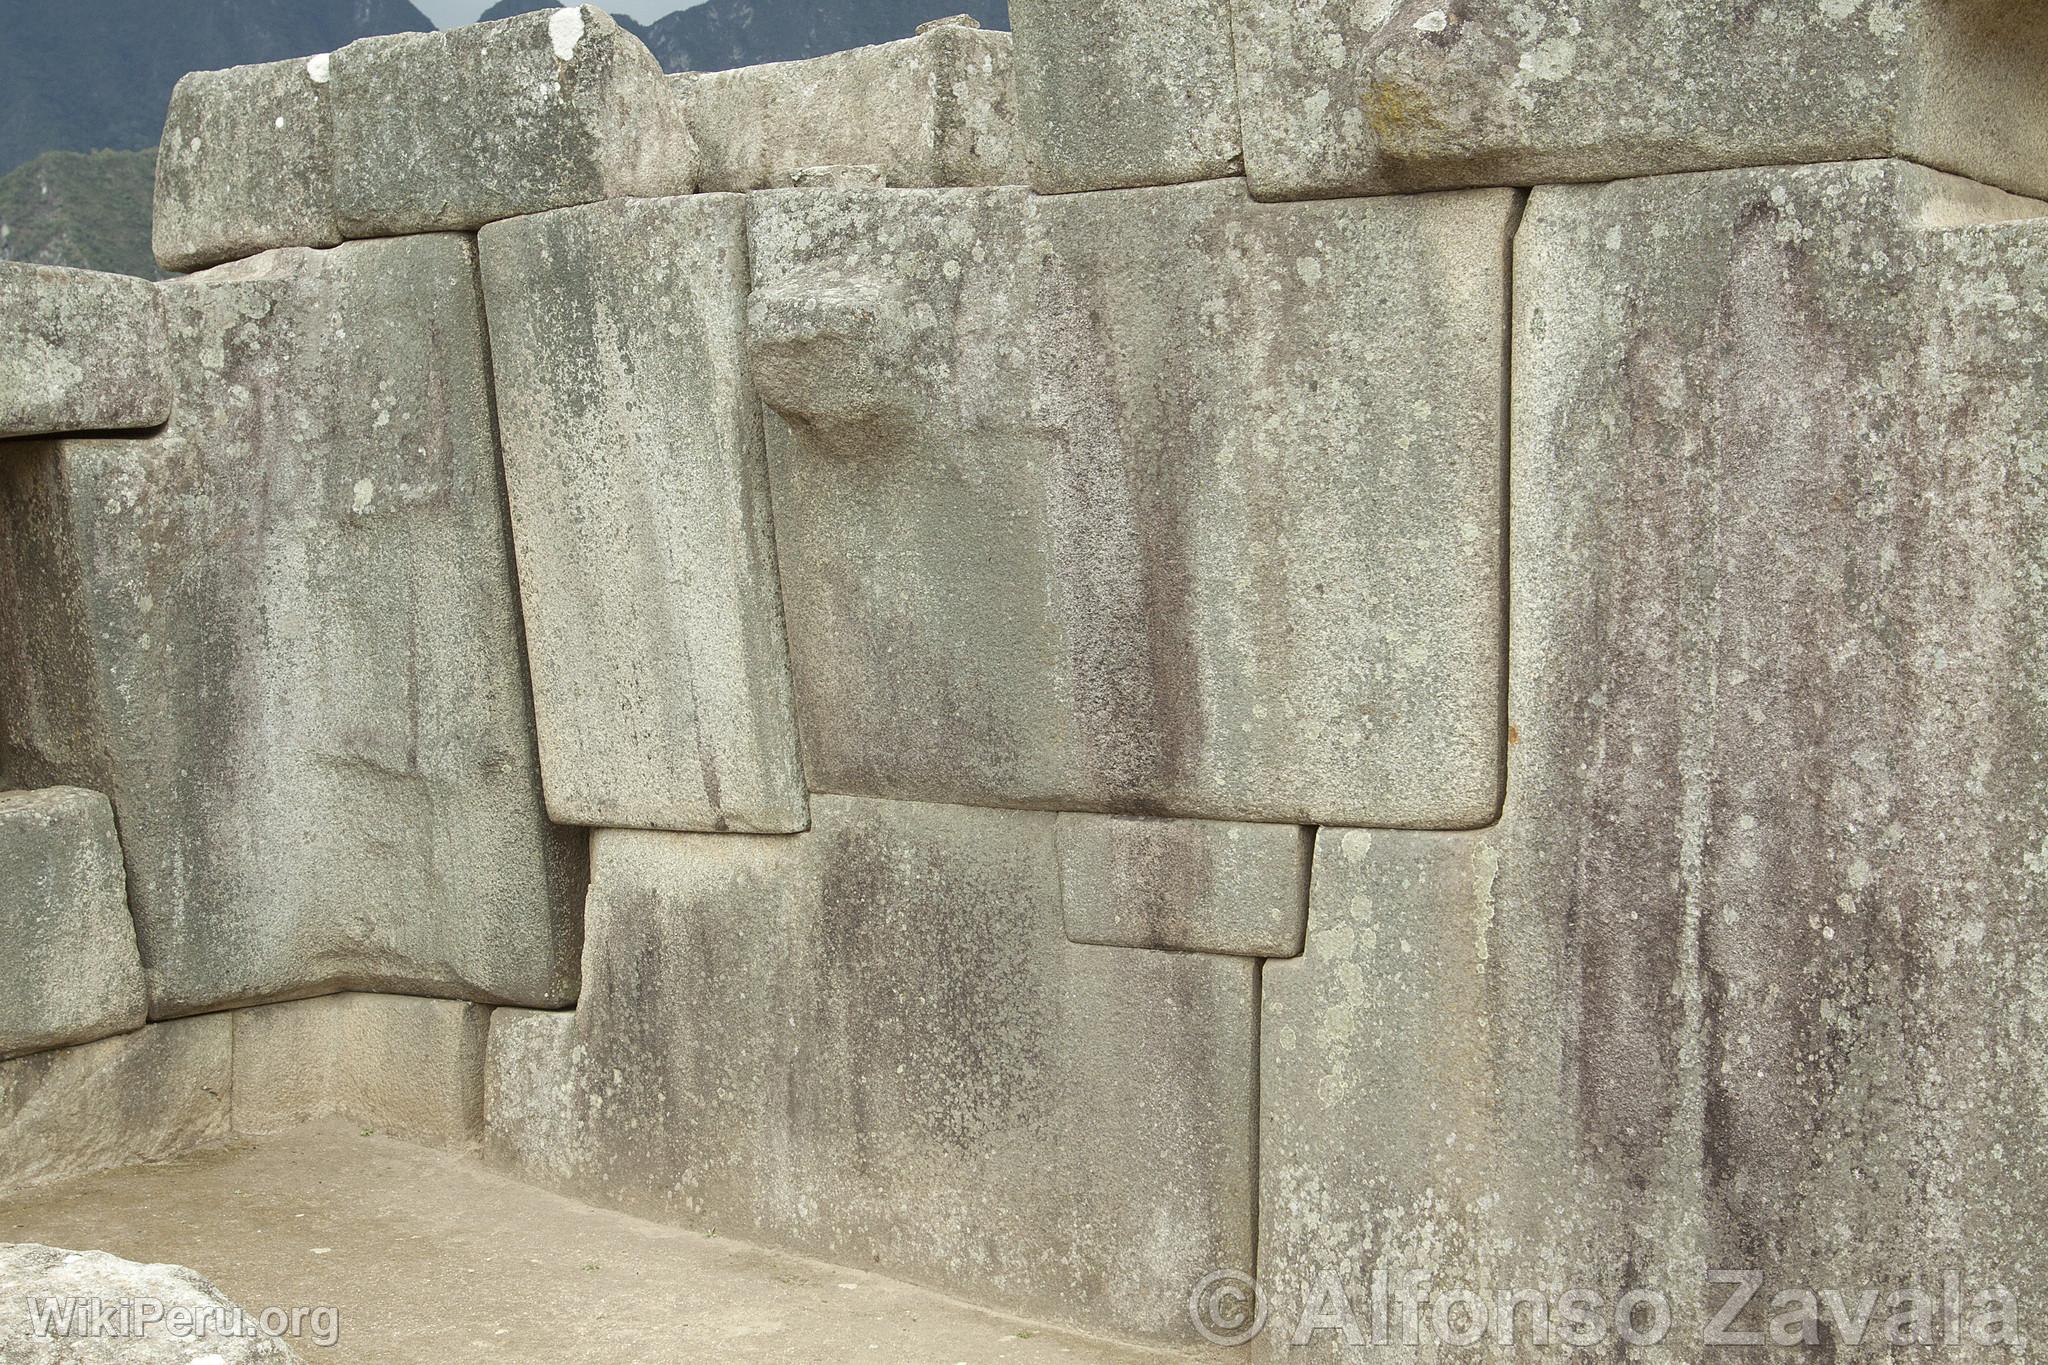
(96, 74)
(720, 34)
(80, 208)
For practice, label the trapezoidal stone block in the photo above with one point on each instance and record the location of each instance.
(872, 1043)
(1200, 886)
(246, 163)
(79, 351)
(150, 1095)
(1384, 96)
(73, 972)
(1748, 974)
(1159, 502)
(935, 110)
(402, 1064)
(283, 637)
(1120, 93)
(640, 513)
(489, 121)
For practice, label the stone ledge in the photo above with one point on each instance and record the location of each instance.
(79, 351)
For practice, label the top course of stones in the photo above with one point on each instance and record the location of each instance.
(1305, 98)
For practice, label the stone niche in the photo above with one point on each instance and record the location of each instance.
(1751, 972)
(873, 1043)
(282, 636)
(1157, 502)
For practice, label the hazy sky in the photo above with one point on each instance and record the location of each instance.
(448, 13)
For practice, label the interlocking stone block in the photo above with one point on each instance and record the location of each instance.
(640, 509)
(283, 637)
(873, 1043)
(1116, 93)
(246, 163)
(79, 351)
(1159, 502)
(73, 973)
(1748, 975)
(402, 1064)
(150, 1095)
(1378, 96)
(1200, 886)
(938, 109)
(489, 121)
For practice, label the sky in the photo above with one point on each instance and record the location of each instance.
(449, 13)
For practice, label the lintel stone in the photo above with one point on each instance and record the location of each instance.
(79, 351)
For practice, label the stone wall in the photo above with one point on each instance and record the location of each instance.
(1327, 641)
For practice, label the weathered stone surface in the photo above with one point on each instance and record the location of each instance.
(198, 1325)
(1202, 886)
(404, 1065)
(283, 637)
(489, 121)
(79, 351)
(73, 973)
(1114, 93)
(149, 1095)
(1749, 973)
(872, 1042)
(1161, 502)
(1373, 96)
(531, 1067)
(935, 110)
(246, 163)
(640, 509)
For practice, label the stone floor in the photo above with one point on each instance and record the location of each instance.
(428, 1256)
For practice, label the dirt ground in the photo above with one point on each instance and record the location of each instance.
(427, 1256)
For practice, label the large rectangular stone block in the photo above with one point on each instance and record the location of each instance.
(406, 1066)
(640, 511)
(489, 121)
(938, 109)
(1156, 502)
(73, 973)
(873, 1043)
(1748, 975)
(150, 1095)
(1118, 93)
(246, 163)
(1202, 886)
(1379, 96)
(79, 351)
(283, 637)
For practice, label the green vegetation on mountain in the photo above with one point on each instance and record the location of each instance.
(87, 209)
(75, 77)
